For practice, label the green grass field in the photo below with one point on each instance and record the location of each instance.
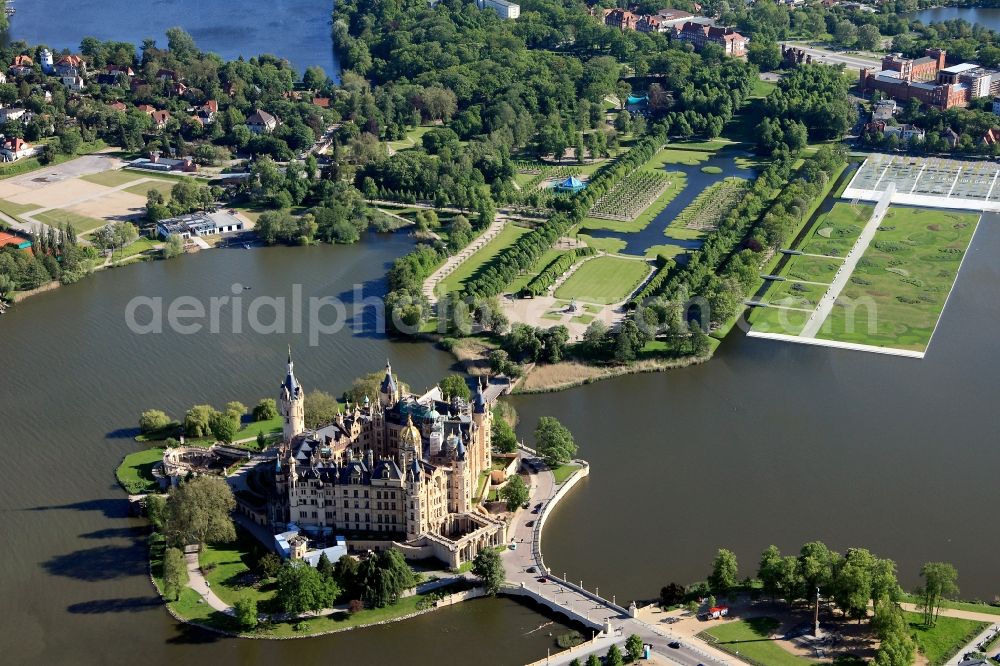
(15, 210)
(604, 280)
(898, 290)
(81, 223)
(688, 157)
(563, 472)
(521, 281)
(749, 639)
(836, 231)
(226, 567)
(135, 473)
(945, 639)
(413, 137)
(481, 258)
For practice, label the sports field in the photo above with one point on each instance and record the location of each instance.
(898, 290)
(606, 279)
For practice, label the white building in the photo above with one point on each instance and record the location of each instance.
(15, 149)
(506, 10)
(199, 224)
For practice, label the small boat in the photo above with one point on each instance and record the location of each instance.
(246, 246)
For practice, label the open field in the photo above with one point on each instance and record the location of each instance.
(899, 288)
(412, 138)
(836, 231)
(605, 279)
(81, 223)
(471, 266)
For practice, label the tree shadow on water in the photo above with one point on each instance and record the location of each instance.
(101, 563)
(126, 605)
(110, 507)
(191, 635)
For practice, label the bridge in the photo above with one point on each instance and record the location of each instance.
(610, 623)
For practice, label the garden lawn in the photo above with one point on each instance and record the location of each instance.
(521, 281)
(835, 233)
(15, 210)
(945, 639)
(227, 567)
(605, 279)
(162, 186)
(118, 177)
(898, 290)
(481, 258)
(142, 244)
(563, 472)
(135, 473)
(750, 639)
(412, 138)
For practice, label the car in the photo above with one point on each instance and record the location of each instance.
(538, 506)
(674, 644)
(541, 579)
(530, 523)
(531, 570)
(534, 511)
(672, 620)
(513, 546)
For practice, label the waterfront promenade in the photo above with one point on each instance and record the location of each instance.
(571, 598)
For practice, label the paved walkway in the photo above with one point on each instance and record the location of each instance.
(198, 583)
(450, 266)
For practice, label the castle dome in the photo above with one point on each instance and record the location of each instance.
(410, 435)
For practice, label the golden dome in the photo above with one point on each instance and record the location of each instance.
(410, 435)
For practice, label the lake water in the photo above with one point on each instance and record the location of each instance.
(298, 30)
(986, 16)
(74, 581)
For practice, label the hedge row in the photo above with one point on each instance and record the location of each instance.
(540, 283)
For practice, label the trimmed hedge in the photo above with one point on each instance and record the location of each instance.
(541, 282)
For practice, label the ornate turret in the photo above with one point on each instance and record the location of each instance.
(388, 391)
(291, 403)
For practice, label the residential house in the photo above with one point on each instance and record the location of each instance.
(504, 9)
(123, 70)
(177, 89)
(168, 75)
(262, 122)
(119, 106)
(160, 118)
(22, 66)
(905, 133)
(698, 35)
(884, 109)
(650, 24)
(73, 83)
(70, 66)
(206, 113)
(991, 138)
(322, 102)
(16, 148)
(12, 113)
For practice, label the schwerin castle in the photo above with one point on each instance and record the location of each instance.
(395, 471)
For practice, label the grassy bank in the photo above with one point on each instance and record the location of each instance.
(135, 473)
(749, 640)
(942, 641)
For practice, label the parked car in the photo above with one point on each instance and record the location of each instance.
(513, 546)
(530, 523)
(531, 570)
(674, 644)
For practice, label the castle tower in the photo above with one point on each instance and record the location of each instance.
(388, 391)
(415, 517)
(291, 404)
(410, 443)
(482, 416)
(460, 492)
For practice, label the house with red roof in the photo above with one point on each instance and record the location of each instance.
(22, 65)
(698, 35)
(16, 148)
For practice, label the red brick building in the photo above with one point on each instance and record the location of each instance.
(698, 35)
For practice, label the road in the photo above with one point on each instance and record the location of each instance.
(572, 598)
(835, 58)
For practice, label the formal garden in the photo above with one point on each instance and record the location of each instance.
(605, 279)
(631, 195)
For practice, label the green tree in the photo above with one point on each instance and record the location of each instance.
(152, 420)
(725, 572)
(246, 612)
(302, 588)
(940, 582)
(593, 660)
(515, 493)
(765, 54)
(503, 437)
(325, 566)
(554, 442)
(896, 648)
(174, 573)
(321, 409)
(223, 427)
(853, 580)
(196, 420)
(156, 511)
(455, 386)
(382, 578)
(770, 571)
(633, 648)
(199, 511)
(868, 37)
(173, 247)
(265, 410)
(614, 657)
(236, 409)
(488, 568)
(269, 565)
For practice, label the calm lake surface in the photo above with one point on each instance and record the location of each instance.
(74, 581)
(986, 16)
(298, 30)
